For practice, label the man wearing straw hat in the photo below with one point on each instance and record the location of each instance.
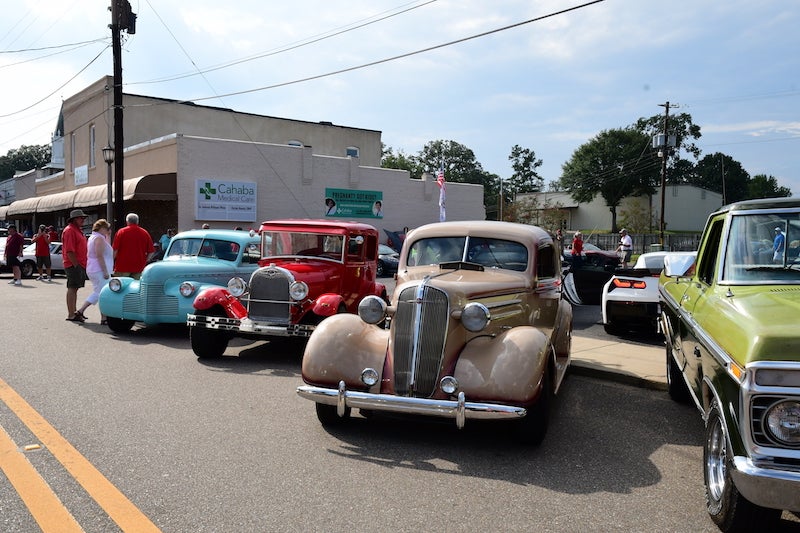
(74, 251)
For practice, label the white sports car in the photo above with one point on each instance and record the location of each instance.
(630, 297)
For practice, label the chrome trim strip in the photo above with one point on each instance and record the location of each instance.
(249, 326)
(459, 410)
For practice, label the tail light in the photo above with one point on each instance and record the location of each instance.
(629, 284)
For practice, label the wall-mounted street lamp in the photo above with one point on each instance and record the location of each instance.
(108, 157)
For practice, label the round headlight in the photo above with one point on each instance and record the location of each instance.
(237, 286)
(369, 377)
(475, 316)
(115, 284)
(783, 420)
(449, 385)
(298, 291)
(372, 309)
(187, 288)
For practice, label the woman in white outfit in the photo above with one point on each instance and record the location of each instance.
(99, 263)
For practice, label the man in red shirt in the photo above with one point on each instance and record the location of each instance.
(75, 253)
(42, 240)
(14, 245)
(133, 246)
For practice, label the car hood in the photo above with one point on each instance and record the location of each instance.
(185, 268)
(470, 284)
(764, 320)
(314, 273)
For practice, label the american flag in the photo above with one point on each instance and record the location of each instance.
(442, 192)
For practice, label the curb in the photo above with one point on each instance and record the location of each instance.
(591, 370)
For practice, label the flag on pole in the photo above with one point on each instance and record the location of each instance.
(442, 192)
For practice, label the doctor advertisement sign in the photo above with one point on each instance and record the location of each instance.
(350, 203)
(225, 200)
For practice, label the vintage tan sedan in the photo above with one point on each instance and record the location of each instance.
(476, 329)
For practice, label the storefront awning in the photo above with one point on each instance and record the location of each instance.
(150, 187)
(3, 211)
(26, 206)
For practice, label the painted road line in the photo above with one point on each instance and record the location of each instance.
(121, 510)
(39, 498)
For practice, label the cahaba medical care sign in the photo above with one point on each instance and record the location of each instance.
(225, 200)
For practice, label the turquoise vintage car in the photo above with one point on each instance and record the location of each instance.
(730, 319)
(195, 260)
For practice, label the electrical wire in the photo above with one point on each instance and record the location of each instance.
(286, 48)
(52, 47)
(87, 43)
(59, 88)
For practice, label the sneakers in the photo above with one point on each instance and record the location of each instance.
(17, 282)
(12, 282)
(39, 278)
(46, 277)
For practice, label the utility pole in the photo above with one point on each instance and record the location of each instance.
(664, 142)
(121, 19)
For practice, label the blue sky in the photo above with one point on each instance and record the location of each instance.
(548, 85)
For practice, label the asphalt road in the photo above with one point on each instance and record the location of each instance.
(227, 446)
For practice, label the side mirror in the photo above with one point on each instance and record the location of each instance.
(678, 264)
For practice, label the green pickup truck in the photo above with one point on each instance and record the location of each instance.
(731, 319)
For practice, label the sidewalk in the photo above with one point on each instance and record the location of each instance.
(632, 364)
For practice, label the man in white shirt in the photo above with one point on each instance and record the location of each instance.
(625, 248)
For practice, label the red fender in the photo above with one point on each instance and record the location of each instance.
(327, 304)
(220, 296)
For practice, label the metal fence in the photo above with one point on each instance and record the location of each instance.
(646, 242)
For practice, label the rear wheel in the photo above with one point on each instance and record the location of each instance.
(379, 269)
(727, 507)
(208, 343)
(27, 269)
(119, 325)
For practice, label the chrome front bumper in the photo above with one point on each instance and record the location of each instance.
(248, 326)
(767, 487)
(459, 409)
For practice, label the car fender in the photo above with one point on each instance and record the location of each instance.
(220, 296)
(506, 368)
(327, 304)
(110, 302)
(340, 348)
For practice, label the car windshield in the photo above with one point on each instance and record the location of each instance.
(200, 247)
(324, 245)
(488, 252)
(763, 248)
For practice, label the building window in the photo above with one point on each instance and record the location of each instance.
(72, 152)
(295, 142)
(352, 151)
(92, 146)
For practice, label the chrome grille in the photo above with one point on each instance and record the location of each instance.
(150, 300)
(422, 317)
(269, 295)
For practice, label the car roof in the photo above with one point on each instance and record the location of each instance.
(483, 228)
(222, 234)
(316, 225)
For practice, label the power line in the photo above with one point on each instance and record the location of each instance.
(394, 58)
(49, 55)
(286, 48)
(22, 50)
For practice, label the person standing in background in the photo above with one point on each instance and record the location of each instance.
(577, 250)
(42, 240)
(100, 261)
(625, 248)
(133, 247)
(74, 251)
(15, 242)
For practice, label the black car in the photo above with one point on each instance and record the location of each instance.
(387, 261)
(596, 269)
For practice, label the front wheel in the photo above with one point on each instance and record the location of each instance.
(328, 417)
(119, 325)
(207, 343)
(729, 510)
(380, 269)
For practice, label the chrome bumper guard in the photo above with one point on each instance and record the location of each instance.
(767, 487)
(249, 326)
(459, 409)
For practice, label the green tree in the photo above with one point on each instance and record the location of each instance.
(400, 161)
(525, 178)
(722, 174)
(615, 164)
(24, 158)
(763, 186)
